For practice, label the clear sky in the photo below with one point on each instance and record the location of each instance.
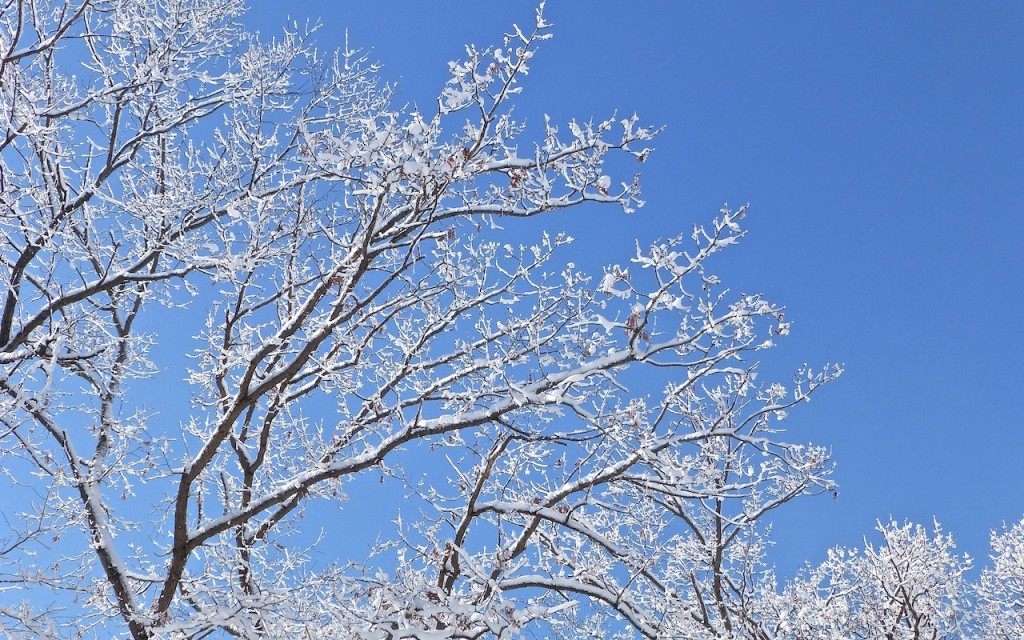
(881, 147)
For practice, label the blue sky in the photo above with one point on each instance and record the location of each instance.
(881, 148)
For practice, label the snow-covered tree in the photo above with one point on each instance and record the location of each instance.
(598, 454)
(911, 587)
(1000, 592)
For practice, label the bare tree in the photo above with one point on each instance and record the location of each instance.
(600, 455)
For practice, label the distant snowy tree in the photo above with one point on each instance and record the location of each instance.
(911, 587)
(1000, 592)
(600, 455)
